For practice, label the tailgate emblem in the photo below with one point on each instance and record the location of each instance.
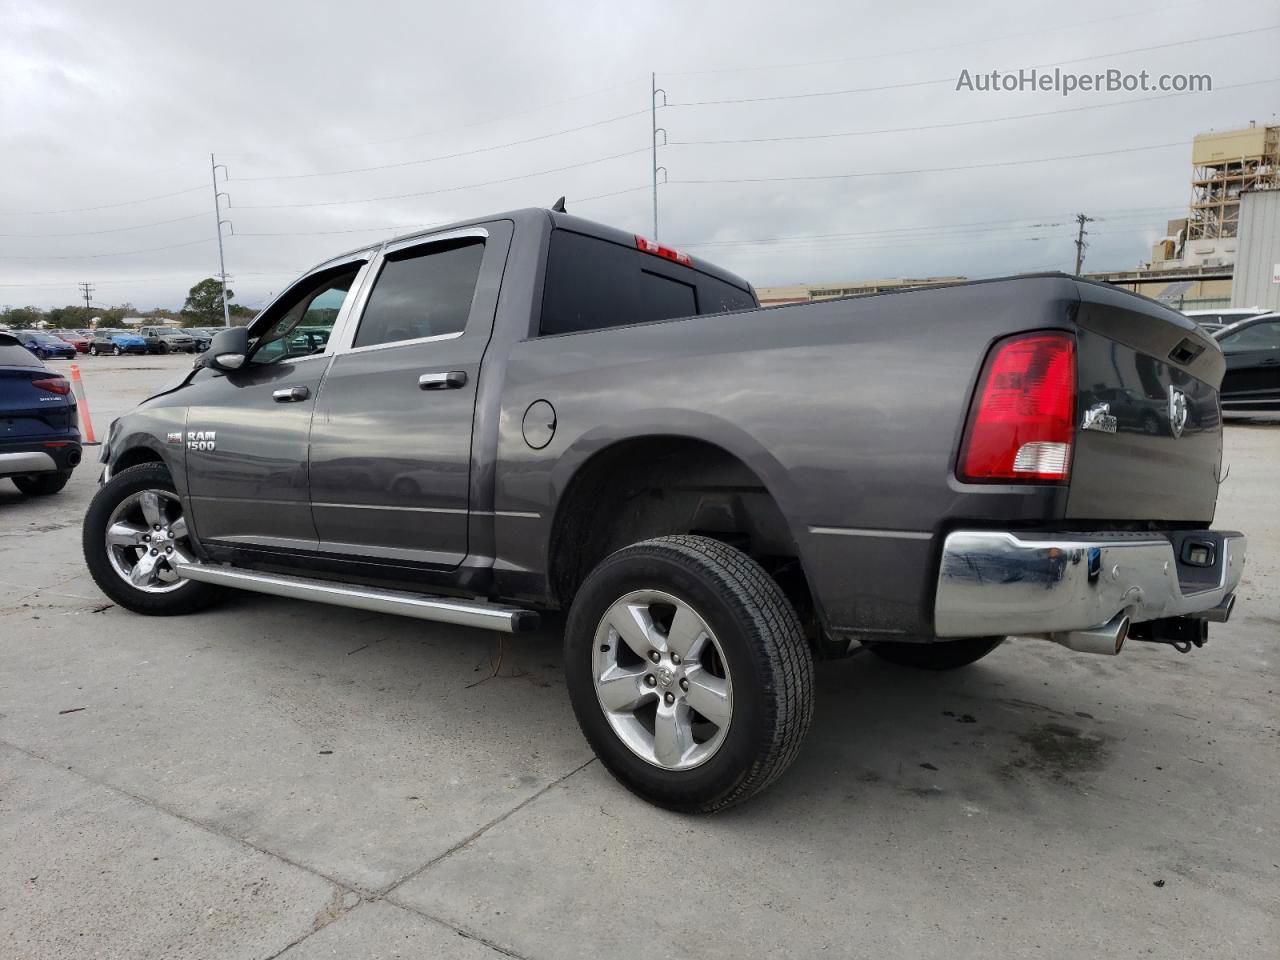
(1098, 417)
(1177, 410)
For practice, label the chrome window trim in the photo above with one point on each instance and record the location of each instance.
(344, 312)
(344, 344)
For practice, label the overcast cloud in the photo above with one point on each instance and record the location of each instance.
(103, 103)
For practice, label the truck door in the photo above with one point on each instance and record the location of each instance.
(390, 467)
(246, 430)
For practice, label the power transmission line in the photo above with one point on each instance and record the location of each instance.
(862, 58)
(445, 156)
(103, 206)
(94, 233)
(925, 83)
(961, 123)
(121, 253)
(429, 193)
(898, 173)
(87, 290)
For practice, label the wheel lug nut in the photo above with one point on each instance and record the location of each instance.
(146, 538)
(168, 549)
(653, 655)
(157, 526)
(154, 552)
(669, 698)
(675, 659)
(684, 684)
(649, 680)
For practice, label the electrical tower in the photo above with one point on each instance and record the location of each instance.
(217, 216)
(1081, 245)
(86, 290)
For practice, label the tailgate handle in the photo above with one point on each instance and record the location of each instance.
(1186, 351)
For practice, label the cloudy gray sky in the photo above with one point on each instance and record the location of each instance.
(109, 111)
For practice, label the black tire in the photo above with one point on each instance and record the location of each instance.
(188, 598)
(115, 350)
(93, 349)
(766, 656)
(42, 484)
(940, 655)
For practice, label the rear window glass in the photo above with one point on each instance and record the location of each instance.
(593, 283)
(423, 292)
(16, 355)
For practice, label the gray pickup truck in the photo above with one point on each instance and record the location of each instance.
(532, 412)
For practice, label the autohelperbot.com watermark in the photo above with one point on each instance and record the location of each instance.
(1066, 82)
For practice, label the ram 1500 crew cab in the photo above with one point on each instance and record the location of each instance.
(533, 412)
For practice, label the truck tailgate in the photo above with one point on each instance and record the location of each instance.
(1148, 364)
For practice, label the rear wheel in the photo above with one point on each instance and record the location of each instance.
(134, 534)
(93, 349)
(940, 655)
(42, 484)
(689, 672)
(115, 350)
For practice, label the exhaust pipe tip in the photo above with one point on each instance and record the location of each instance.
(1107, 638)
(73, 458)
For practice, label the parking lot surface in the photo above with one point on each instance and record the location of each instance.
(274, 778)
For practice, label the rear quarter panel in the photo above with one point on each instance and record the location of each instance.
(849, 411)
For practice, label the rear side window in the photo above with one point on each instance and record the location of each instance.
(16, 355)
(423, 292)
(1260, 336)
(593, 283)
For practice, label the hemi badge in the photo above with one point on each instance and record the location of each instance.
(174, 436)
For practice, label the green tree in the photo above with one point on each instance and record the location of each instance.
(20, 318)
(204, 302)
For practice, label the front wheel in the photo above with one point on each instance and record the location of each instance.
(93, 350)
(941, 655)
(689, 672)
(134, 535)
(115, 351)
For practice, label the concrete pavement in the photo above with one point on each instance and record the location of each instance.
(272, 778)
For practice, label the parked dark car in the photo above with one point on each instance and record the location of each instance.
(167, 340)
(45, 345)
(39, 431)
(533, 412)
(116, 342)
(77, 340)
(1252, 349)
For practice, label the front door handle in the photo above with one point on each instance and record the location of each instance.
(443, 381)
(290, 394)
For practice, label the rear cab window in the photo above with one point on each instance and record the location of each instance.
(593, 283)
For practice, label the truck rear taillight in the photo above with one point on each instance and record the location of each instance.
(1022, 421)
(658, 250)
(53, 385)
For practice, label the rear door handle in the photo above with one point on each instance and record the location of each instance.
(290, 394)
(443, 381)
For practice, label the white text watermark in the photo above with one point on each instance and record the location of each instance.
(1067, 83)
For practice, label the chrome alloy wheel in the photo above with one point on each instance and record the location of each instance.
(146, 536)
(662, 680)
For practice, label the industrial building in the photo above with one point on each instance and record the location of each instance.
(1233, 218)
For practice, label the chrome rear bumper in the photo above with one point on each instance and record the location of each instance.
(996, 583)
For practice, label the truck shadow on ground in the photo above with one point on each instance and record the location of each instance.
(996, 732)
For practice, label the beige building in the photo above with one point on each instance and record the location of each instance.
(806, 292)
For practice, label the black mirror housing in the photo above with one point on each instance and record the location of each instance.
(229, 349)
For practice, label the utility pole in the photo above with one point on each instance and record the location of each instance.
(217, 216)
(1081, 246)
(86, 289)
(653, 119)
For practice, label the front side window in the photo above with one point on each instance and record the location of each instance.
(422, 292)
(1260, 336)
(307, 320)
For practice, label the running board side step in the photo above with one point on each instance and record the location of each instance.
(486, 616)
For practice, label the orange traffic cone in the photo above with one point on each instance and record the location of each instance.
(82, 404)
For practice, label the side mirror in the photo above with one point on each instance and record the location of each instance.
(228, 349)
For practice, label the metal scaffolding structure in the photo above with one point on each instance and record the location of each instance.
(1225, 165)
